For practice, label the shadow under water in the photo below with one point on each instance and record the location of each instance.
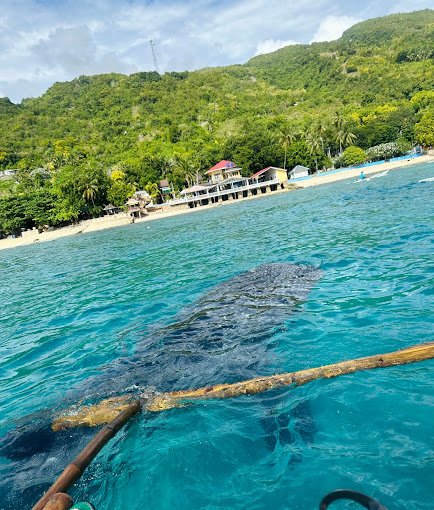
(226, 336)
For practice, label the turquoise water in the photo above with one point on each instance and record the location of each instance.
(73, 305)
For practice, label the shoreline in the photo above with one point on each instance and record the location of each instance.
(123, 219)
(348, 173)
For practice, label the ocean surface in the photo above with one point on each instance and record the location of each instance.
(72, 306)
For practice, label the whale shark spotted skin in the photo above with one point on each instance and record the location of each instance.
(226, 336)
(223, 337)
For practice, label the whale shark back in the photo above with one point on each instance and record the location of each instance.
(224, 337)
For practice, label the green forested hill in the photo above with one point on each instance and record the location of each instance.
(374, 85)
(379, 60)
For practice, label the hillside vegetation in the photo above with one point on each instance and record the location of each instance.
(94, 139)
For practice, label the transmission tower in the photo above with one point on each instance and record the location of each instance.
(151, 42)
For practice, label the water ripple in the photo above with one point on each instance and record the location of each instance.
(72, 306)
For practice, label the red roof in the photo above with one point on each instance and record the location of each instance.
(260, 172)
(222, 165)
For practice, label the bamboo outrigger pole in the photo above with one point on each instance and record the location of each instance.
(108, 409)
(55, 497)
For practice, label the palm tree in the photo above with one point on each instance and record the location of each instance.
(186, 169)
(350, 138)
(343, 135)
(338, 124)
(320, 128)
(286, 138)
(338, 120)
(315, 143)
(153, 190)
(90, 189)
(340, 139)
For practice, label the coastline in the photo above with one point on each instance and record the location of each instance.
(124, 219)
(348, 173)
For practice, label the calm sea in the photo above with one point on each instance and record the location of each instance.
(69, 307)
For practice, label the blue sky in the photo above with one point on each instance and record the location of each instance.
(43, 41)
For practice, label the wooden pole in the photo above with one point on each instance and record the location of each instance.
(77, 467)
(99, 413)
(59, 501)
(261, 384)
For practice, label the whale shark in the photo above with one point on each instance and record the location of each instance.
(225, 336)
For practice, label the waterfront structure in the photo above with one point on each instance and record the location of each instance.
(165, 187)
(133, 208)
(111, 209)
(298, 171)
(143, 197)
(222, 171)
(227, 183)
(271, 173)
(136, 205)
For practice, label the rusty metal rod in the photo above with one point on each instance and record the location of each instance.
(77, 467)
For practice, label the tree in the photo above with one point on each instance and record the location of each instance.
(353, 155)
(184, 168)
(320, 128)
(69, 202)
(343, 135)
(154, 191)
(383, 151)
(286, 137)
(92, 184)
(40, 208)
(12, 215)
(255, 148)
(299, 153)
(314, 142)
(80, 190)
(119, 192)
(90, 190)
(424, 130)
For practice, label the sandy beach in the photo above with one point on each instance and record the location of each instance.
(123, 219)
(348, 173)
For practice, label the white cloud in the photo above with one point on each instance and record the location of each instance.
(270, 45)
(43, 42)
(75, 51)
(332, 27)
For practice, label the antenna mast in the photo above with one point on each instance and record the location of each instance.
(151, 42)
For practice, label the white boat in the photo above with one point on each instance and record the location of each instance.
(382, 174)
(430, 179)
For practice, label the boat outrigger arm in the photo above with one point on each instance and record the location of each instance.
(108, 409)
(118, 411)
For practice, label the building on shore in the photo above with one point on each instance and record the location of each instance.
(136, 205)
(165, 187)
(271, 173)
(298, 171)
(111, 209)
(223, 171)
(226, 183)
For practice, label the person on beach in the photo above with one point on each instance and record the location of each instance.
(362, 175)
